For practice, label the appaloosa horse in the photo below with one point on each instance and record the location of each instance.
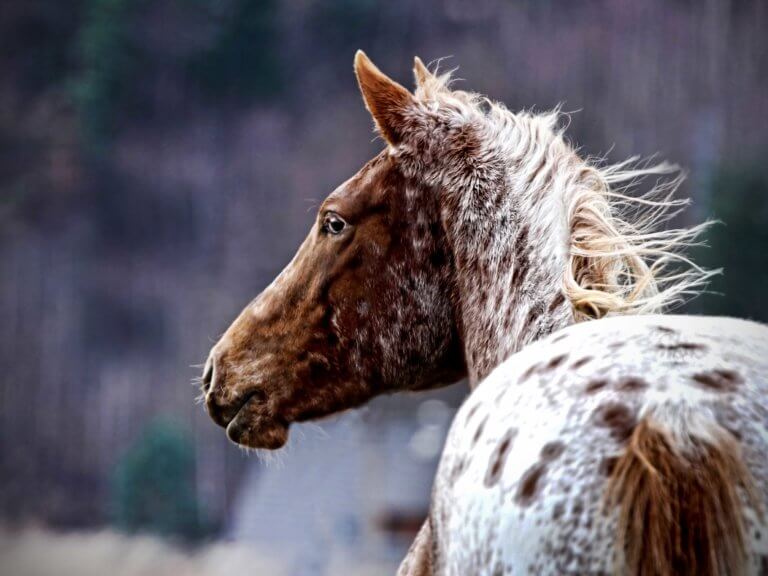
(475, 245)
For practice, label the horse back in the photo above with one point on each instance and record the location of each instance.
(632, 444)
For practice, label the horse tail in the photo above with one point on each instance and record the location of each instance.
(678, 487)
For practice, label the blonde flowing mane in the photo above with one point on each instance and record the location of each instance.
(622, 258)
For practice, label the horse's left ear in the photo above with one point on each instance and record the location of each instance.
(386, 100)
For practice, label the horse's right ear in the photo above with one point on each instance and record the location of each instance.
(421, 72)
(386, 100)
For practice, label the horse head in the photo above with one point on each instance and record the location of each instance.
(365, 307)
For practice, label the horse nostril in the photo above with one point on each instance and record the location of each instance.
(208, 374)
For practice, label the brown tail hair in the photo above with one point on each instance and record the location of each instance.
(680, 508)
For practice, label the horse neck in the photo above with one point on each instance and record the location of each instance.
(510, 241)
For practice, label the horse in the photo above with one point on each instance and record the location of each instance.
(600, 435)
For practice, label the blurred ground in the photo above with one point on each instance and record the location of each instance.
(36, 552)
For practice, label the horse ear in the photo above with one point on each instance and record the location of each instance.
(421, 72)
(386, 100)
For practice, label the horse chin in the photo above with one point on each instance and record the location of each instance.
(254, 429)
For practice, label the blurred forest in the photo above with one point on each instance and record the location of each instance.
(161, 160)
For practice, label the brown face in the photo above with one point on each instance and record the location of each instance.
(365, 307)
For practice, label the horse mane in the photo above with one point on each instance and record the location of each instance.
(621, 259)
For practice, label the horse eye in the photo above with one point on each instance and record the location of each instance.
(333, 224)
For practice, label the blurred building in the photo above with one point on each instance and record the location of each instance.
(352, 493)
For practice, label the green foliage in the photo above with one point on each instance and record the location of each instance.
(243, 61)
(110, 59)
(113, 85)
(154, 486)
(740, 200)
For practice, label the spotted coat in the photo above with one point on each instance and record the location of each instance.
(521, 485)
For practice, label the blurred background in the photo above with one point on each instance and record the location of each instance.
(160, 161)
